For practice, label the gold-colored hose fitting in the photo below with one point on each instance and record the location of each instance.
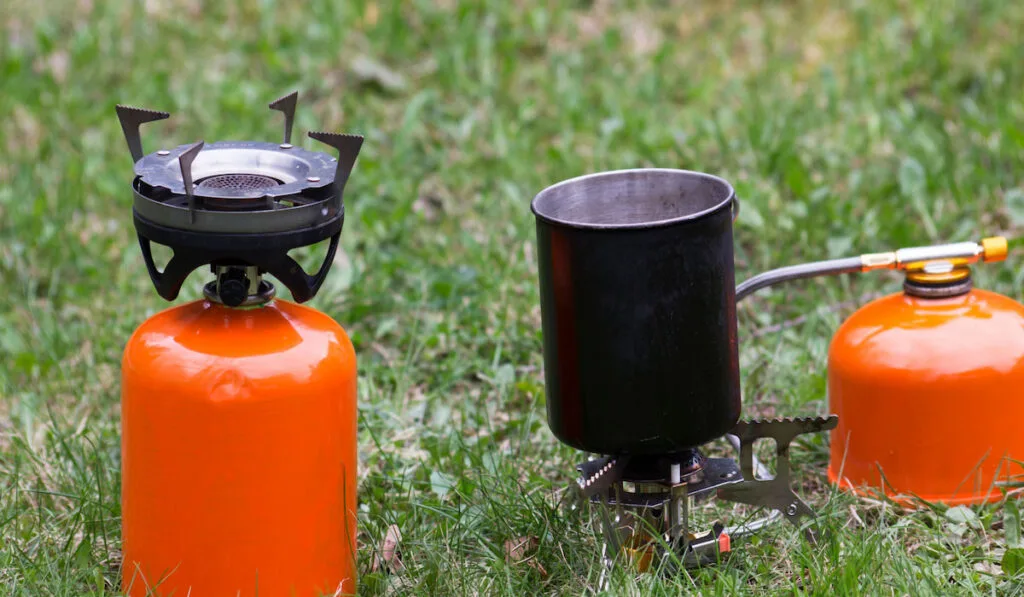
(939, 272)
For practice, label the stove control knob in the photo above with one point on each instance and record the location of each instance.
(233, 288)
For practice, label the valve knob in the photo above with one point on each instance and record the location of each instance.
(995, 248)
(233, 288)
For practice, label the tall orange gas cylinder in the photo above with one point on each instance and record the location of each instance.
(239, 410)
(928, 385)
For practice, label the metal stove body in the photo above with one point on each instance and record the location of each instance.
(644, 502)
(238, 205)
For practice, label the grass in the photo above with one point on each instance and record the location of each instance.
(846, 127)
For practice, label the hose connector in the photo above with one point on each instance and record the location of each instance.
(987, 251)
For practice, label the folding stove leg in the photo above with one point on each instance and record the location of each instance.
(774, 493)
(610, 525)
(629, 533)
(679, 516)
(611, 548)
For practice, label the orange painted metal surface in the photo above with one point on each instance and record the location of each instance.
(239, 453)
(930, 395)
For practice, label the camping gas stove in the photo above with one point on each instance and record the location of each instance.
(238, 410)
(644, 502)
(239, 206)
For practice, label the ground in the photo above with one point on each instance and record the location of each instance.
(845, 127)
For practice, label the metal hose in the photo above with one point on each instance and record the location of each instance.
(988, 250)
(846, 265)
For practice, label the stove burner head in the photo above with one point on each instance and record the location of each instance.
(238, 182)
(239, 203)
(686, 464)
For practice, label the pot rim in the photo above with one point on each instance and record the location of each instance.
(728, 201)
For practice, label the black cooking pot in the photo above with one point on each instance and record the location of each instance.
(638, 308)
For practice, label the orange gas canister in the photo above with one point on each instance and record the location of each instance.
(238, 411)
(928, 385)
(239, 452)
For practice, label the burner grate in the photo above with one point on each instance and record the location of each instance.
(238, 206)
(239, 182)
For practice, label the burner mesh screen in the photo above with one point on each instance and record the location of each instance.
(240, 182)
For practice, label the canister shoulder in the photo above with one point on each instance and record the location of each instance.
(979, 330)
(281, 339)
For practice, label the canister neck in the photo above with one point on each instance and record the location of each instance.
(239, 286)
(938, 279)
